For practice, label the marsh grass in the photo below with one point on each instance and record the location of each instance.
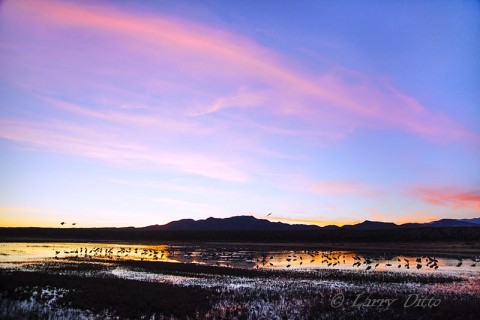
(124, 298)
(90, 290)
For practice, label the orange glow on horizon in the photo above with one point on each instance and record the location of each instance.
(25, 217)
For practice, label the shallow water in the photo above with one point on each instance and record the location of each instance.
(239, 256)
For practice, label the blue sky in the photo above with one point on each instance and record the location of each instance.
(325, 112)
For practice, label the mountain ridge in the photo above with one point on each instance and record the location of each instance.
(235, 223)
(251, 223)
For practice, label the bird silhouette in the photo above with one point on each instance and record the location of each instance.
(269, 214)
(62, 223)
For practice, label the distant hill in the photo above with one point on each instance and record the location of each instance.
(474, 220)
(237, 223)
(371, 225)
(453, 223)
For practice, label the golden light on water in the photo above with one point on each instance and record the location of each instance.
(235, 257)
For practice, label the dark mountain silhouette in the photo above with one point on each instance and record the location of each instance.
(371, 225)
(473, 220)
(453, 223)
(250, 223)
(413, 225)
(237, 223)
(331, 227)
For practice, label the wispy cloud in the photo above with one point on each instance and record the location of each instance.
(124, 115)
(328, 188)
(217, 70)
(99, 143)
(456, 198)
(175, 185)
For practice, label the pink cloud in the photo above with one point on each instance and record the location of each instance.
(450, 197)
(187, 56)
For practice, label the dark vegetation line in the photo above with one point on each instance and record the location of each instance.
(464, 234)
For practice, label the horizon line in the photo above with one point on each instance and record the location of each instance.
(289, 221)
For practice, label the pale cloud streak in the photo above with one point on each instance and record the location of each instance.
(97, 144)
(327, 188)
(341, 188)
(120, 115)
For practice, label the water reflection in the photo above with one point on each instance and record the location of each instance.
(244, 257)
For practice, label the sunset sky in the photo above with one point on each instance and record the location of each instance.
(123, 113)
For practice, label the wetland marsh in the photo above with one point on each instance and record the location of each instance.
(85, 280)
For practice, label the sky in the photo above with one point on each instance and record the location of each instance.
(124, 113)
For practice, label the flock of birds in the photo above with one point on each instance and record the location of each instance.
(329, 259)
(113, 253)
(332, 259)
(64, 223)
